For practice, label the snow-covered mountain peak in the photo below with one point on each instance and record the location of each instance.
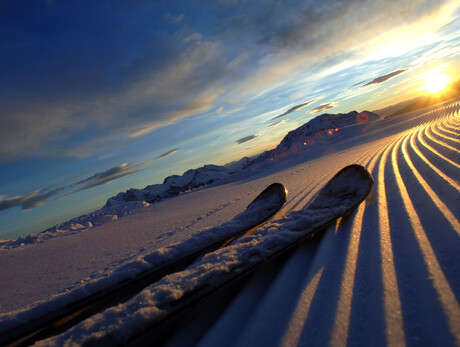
(323, 124)
(172, 185)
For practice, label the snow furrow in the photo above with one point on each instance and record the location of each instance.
(441, 206)
(394, 328)
(310, 326)
(433, 167)
(388, 274)
(420, 137)
(446, 296)
(447, 130)
(340, 329)
(445, 137)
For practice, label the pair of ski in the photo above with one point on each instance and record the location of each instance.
(348, 188)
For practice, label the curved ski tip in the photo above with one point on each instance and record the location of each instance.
(276, 192)
(355, 169)
(347, 188)
(354, 177)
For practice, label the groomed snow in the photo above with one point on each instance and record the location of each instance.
(388, 274)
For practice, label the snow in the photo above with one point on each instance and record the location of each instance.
(172, 185)
(387, 274)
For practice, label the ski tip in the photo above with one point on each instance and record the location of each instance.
(349, 186)
(275, 194)
(354, 176)
(356, 170)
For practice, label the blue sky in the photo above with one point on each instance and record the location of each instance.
(100, 96)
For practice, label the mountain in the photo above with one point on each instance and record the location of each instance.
(172, 185)
(297, 139)
(322, 125)
(316, 132)
(453, 91)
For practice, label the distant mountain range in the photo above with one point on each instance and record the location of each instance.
(296, 140)
(420, 102)
(316, 132)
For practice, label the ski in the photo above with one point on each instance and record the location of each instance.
(338, 198)
(177, 292)
(262, 208)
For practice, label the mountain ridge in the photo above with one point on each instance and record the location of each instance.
(316, 131)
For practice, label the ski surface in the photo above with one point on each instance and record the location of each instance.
(144, 314)
(174, 258)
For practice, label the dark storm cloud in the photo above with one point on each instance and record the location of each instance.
(323, 107)
(295, 108)
(28, 201)
(246, 139)
(167, 154)
(386, 77)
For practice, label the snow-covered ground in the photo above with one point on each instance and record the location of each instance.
(388, 274)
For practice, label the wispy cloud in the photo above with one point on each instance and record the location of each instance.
(109, 175)
(277, 123)
(323, 107)
(164, 76)
(40, 196)
(384, 78)
(246, 139)
(28, 201)
(167, 154)
(295, 108)
(174, 18)
(357, 84)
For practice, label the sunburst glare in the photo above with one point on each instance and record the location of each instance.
(435, 82)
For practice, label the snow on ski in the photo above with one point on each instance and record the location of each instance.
(67, 313)
(175, 292)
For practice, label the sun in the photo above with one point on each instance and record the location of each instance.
(435, 82)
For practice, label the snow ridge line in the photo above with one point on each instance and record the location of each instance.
(403, 302)
(441, 206)
(407, 316)
(446, 296)
(341, 325)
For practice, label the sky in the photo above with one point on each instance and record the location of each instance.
(100, 96)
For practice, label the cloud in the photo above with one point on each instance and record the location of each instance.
(181, 88)
(28, 201)
(174, 18)
(295, 108)
(109, 175)
(277, 123)
(40, 196)
(105, 177)
(386, 77)
(167, 154)
(357, 84)
(129, 80)
(323, 107)
(246, 139)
